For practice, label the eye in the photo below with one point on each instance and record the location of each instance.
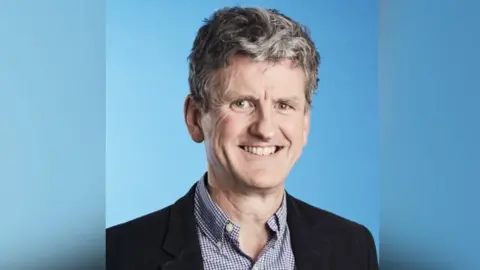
(284, 106)
(242, 104)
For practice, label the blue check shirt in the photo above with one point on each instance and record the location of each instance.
(219, 238)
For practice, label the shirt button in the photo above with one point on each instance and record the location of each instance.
(230, 229)
(219, 244)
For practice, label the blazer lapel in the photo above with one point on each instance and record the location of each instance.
(311, 246)
(181, 241)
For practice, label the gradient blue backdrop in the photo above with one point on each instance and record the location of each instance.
(52, 134)
(151, 160)
(430, 130)
(52, 124)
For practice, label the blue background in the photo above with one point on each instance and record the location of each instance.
(430, 131)
(52, 134)
(151, 161)
(53, 124)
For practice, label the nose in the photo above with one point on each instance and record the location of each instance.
(264, 126)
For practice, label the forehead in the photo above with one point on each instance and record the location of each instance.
(256, 77)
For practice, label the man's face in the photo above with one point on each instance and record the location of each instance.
(257, 128)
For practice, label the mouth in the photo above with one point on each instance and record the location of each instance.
(261, 150)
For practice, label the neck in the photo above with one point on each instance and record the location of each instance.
(250, 208)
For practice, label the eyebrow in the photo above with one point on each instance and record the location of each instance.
(293, 99)
(235, 96)
(229, 96)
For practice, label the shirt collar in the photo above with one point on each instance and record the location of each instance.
(213, 221)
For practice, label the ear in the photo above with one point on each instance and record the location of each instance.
(192, 114)
(306, 126)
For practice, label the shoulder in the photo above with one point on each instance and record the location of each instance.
(139, 243)
(147, 230)
(132, 244)
(348, 241)
(145, 224)
(336, 226)
(152, 227)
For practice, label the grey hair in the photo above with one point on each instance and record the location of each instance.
(261, 34)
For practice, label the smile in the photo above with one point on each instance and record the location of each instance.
(261, 151)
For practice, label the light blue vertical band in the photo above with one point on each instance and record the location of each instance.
(430, 130)
(52, 134)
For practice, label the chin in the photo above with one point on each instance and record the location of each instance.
(263, 180)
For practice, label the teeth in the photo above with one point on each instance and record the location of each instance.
(260, 151)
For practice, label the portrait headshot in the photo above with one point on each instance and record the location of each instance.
(240, 135)
(247, 113)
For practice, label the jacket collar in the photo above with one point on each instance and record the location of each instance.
(181, 241)
(310, 244)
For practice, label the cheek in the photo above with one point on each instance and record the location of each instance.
(294, 130)
(227, 128)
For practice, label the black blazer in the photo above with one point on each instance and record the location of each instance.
(167, 240)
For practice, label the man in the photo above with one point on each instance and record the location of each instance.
(252, 76)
